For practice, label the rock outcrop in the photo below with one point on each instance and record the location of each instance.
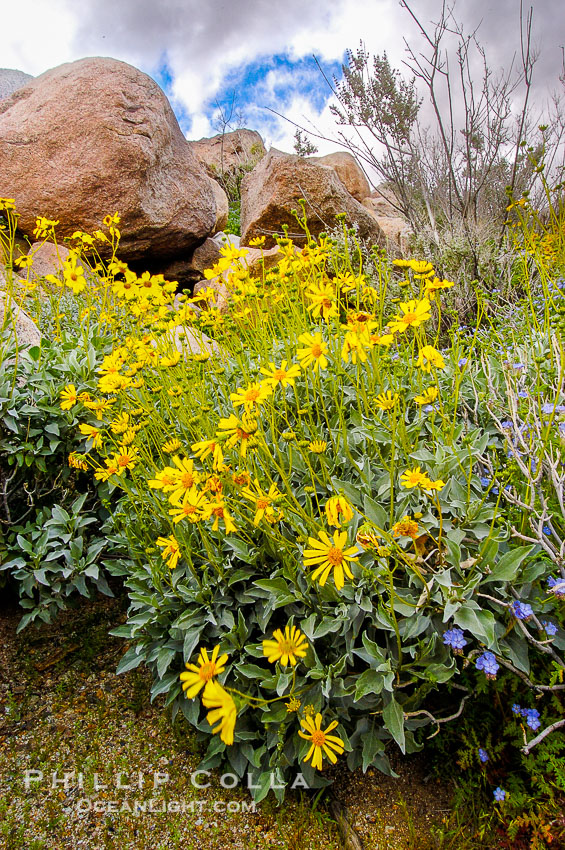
(13, 318)
(97, 136)
(12, 80)
(279, 181)
(349, 172)
(227, 153)
(393, 224)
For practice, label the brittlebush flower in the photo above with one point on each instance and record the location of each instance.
(406, 527)
(171, 550)
(68, 397)
(338, 510)
(288, 648)
(224, 711)
(218, 510)
(354, 346)
(413, 478)
(73, 274)
(276, 375)
(432, 286)
(413, 314)
(104, 473)
(191, 507)
(263, 502)
(314, 352)
(172, 445)
(233, 431)
(322, 300)
(203, 671)
(386, 401)
(252, 396)
(428, 357)
(91, 433)
(209, 447)
(427, 397)
(322, 742)
(317, 447)
(330, 555)
(125, 458)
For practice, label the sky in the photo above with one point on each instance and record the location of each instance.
(244, 58)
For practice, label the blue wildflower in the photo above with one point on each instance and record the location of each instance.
(462, 362)
(532, 718)
(507, 424)
(547, 530)
(522, 610)
(483, 755)
(522, 394)
(455, 639)
(499, 794)
(549, 628)
(556, 586)
(488, 664)
(516, 709)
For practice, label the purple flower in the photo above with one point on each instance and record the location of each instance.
(522, 610)
(507, 424)
(532, 718)
(499, 794)
(549, 407)
(488, 664)
(556, 586)
(516, 709)
(483, 755)
(522, 394)
(550, 628)
(462, 362)
(455, 639)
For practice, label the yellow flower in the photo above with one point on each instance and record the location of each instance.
(68, 397)
(367, 537)
(198, 676)
(125, 458)
(281, 375)
(209, 447)
(322, 742)
(288, 648)
(292, 705)
(234, 431)
(224, 712)
(252, 396)
(386, 401)
(428, 357)
(104, 473)
(432, 286)
(91, 433)
(43, 227)
(322, 298)
(329, 555)
(171, 550)
(314, 352)
(218, 510)
(354, 345)
(338, 510)
(434, 485)
(171, 360)
(7, 204)
(413, 478)
(406, 527)
(171, 446)
(121, 424)
(263, 502)
(427, 397)
(24, 262)
(421, 268)
(317, 447)
(74, 274)
(385, 339)
(256, 241)
(77, 461)
(413, 314)
(191, 508)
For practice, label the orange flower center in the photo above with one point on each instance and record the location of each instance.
(316, 350)
(286, 647)
(263, 503)
(207, 671)
(335, 556)
(252, 395)
(279, 374)
(219, 512)
(187, 480)
(241, 434)
(318, 738)
(188, 509)
(409, 318)
(123, 460)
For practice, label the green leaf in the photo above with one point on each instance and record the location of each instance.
(372, 745)
(369, 682)
(393, 717)
(507, 568)
(375, 513)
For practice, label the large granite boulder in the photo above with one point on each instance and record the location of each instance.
(349, 172)
(97, 136)
(391, 221)
(14, 319)
(279, 181)
(226, 154)
(12, 80)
